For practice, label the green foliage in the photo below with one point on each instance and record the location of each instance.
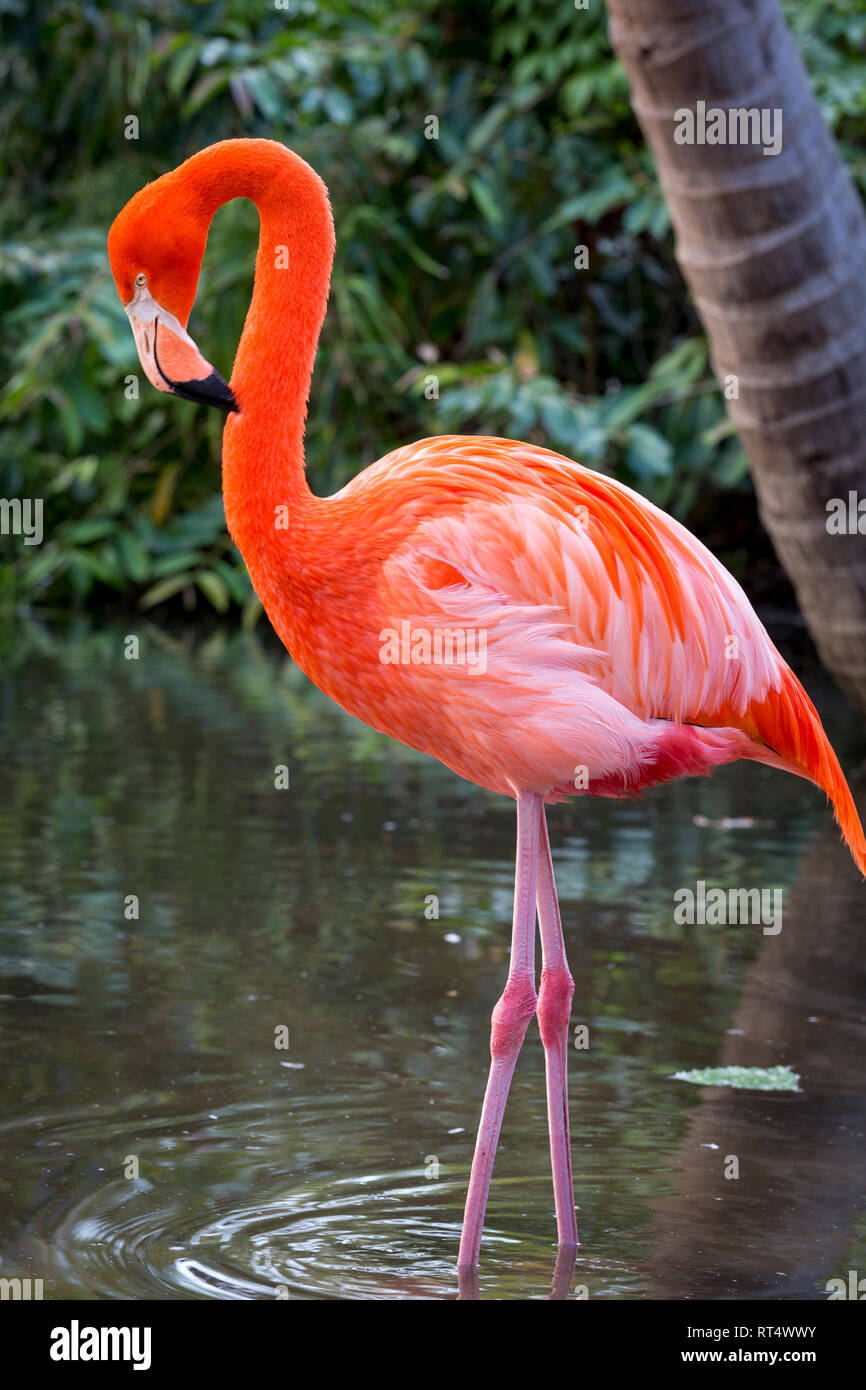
(456, 259)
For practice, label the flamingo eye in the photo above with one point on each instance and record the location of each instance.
(141, 278)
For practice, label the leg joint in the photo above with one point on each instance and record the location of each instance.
(554, 1003)
(512, 1014)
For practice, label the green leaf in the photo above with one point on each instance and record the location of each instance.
(647, 453)
(487, 204)
(94, 528)
(338, 106)
(252, 612)
(133, 557)
(166, 588)
(743, 1078)
(179, 560)
(214, 590)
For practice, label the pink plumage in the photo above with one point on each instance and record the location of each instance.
(536, 626)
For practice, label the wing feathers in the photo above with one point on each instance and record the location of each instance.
(571, 569)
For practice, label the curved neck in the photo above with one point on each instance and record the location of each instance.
(263, 444)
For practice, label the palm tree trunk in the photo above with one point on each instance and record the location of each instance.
(773, 248)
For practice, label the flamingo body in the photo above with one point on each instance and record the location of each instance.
(615, 644)
(588, 643)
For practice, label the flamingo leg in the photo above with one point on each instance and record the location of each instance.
(508, 1025)
(554, 1011)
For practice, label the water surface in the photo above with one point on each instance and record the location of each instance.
(155, 1143)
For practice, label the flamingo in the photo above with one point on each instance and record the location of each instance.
(538, 627)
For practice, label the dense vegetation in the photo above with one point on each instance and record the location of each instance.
(456, 256)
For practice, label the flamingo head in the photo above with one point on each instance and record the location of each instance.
(155, 247)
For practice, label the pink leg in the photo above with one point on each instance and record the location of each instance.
(508, 1026)
(554, 1011)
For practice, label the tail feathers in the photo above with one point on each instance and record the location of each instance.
(788, 723)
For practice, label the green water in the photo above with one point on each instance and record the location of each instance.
(154, 1141)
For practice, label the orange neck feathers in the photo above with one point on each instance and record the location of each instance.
(263, 444)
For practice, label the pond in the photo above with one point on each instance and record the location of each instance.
(243, 1057)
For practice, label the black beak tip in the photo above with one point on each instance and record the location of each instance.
(211, 390)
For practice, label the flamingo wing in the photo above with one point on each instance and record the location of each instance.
(602, 618)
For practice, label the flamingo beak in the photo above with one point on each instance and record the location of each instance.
(170, 358)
